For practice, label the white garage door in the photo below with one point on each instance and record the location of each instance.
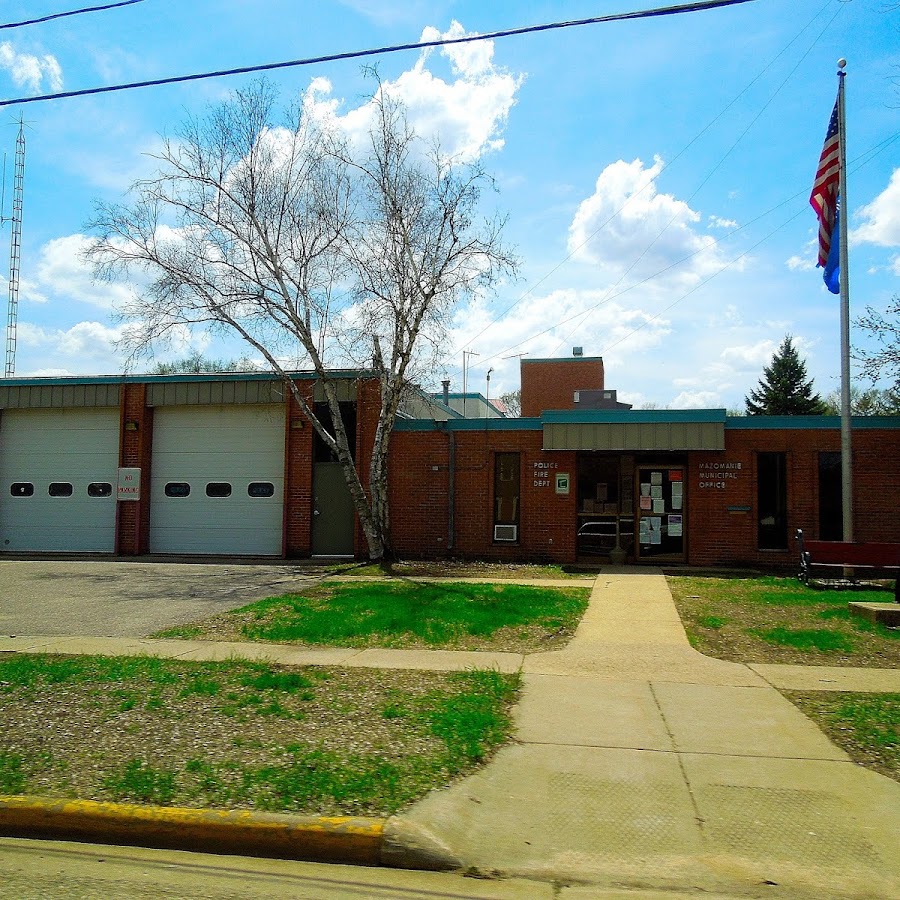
(57, 479)
(217, 484)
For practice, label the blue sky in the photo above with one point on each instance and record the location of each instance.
(655, 173)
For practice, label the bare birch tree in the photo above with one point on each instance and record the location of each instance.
(271, 226)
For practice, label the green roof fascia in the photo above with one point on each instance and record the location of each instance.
(563, 359)
(809, 422)
(632, 416)
(499, 424)
(54, 381)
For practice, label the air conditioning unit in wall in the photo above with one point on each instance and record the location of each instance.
(506, 532)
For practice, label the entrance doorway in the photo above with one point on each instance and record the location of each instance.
(605, 506)
(333, 513)
(661, 512)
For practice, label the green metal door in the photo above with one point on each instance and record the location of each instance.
(333, 514)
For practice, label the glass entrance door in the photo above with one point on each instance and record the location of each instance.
(661, 511)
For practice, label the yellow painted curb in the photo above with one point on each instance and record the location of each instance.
(347, 839)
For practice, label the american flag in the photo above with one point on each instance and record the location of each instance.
(823, 198)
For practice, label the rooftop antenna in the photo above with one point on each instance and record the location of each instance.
(15, 248)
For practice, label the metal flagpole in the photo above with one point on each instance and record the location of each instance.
(846, 442)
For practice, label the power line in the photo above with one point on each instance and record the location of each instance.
(73, 12)
(357, 54)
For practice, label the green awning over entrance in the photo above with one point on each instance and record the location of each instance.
(631, 430)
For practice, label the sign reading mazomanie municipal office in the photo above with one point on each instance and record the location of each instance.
(717, 475)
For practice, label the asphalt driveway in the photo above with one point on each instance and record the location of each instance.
(113, 598)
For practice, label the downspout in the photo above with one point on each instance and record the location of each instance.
(451, 490)
(451, 472)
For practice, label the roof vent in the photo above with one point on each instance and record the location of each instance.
(578, 351)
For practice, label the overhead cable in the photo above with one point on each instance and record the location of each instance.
(71, 12)
(357, 54)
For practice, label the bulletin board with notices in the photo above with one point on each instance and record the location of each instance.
(660, 512)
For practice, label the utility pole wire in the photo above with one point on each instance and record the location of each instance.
(73, 12)
(356, 54)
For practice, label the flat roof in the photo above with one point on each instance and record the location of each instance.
(62, 380)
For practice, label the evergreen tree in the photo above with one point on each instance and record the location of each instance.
(784, 389)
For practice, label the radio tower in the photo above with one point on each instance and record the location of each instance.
(15, 251)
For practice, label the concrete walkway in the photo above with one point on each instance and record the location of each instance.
(638, 763)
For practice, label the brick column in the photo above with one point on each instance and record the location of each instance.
(135, 451)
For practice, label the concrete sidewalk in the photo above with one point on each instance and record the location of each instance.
(638, 763)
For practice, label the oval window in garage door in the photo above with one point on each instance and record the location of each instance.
(99, 489)
(260, 489)
(60, 489)
(218, 489)
(177, 489)
(22, 489)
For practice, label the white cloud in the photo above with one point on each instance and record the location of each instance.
(719, 222)
(27, 70)
(62, 274)
(466, 115)
(800, 263)
(84, 340)
(469, 58)
(750, 357)
(881, 217)
(549, 325)
(696, 400)
(627, 228)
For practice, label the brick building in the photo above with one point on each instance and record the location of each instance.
(227, 465)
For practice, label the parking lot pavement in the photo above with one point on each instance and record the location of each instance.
(114, 598)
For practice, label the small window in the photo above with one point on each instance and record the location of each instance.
(218, 489)
(60, 489)
(22, 489)
(507, 467)
(99, 489)
(260, 489)
(178, 489)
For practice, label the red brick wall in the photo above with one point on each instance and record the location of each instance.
(717, 534)
(419, 476)
(551, 383)
(720, 522)
(298, 472)
(135, 451)
(299, 464)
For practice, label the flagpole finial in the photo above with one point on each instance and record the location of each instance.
(842, 64)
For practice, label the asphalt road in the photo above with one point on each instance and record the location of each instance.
(37, 870)
(112, 598)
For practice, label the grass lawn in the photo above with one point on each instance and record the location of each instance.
(444, 568)
(241, 734)
(404, 613)
(867, 726)
(779, 620)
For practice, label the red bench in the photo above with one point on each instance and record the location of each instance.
(875, 558)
